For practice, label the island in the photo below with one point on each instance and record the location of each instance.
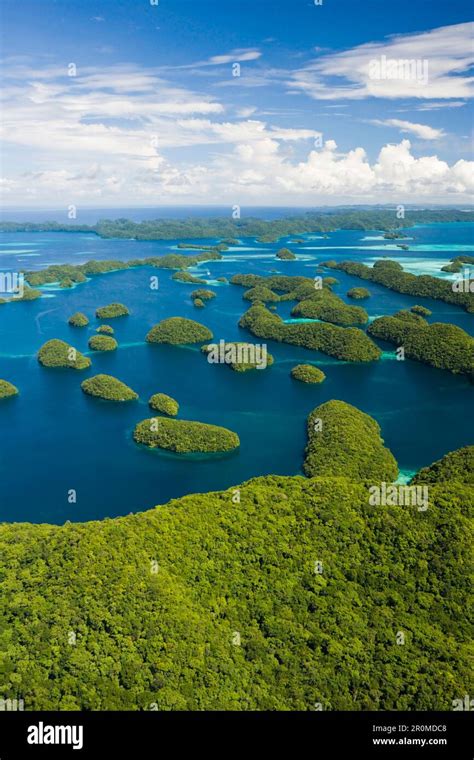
(78, 320)
(106, 329)
(391, 275)
(199, 303)
(345, 343)
(421, 310)
(112, 311)
(261, 293)
(203, 294)
(185, 436)
(7, 389)
(345, 442)
(454, 467)
(440, 344)
(285, 254)
(108, 388)
(307, 373)
(238, 355)
(178, 330)
(160, 402)
(102, 343)
(57, 353)
(187, 277)
(358, 293)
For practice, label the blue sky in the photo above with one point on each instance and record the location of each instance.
(122, 102)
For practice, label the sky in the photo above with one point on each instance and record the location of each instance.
(255, 102)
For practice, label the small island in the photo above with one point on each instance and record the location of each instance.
(239, 356)
(7, 389)
(203, 294)
(199, 303)
(306, 373)
(160, 402)
(358, 293)
(112, 311)
(261, 293)
(177, 331)
(421, 310)
(106, 329)
(102, 343)
(187, 277)
(78, 320)
(185, 436)
(108, 388)
(57, 353)
(285, 254)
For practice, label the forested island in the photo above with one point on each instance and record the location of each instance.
(265, 231)
(322, 583)
(185, 436)
(108, 388)
(7, 389)
(59, 354)
(178, 330)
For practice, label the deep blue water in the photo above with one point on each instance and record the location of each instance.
(54, 438)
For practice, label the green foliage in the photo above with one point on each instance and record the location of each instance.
(358, 293)
(307, 373)
(325, 305)
(162, 634)
(187, 277)
(391, 275)
(160, 402)
(347, 344)
(421, 310)
(344, 442)
(58, 353)
(199, 303)
(78, 320)
(440, 345)
(102, 343)
(111, 311)
(185, 436)
(285, 254)
(107, 329)
(177, 330)
(203, 294)
(7, 389)
(455, 467)
(109, 388)
(238, 355)
(261, 293)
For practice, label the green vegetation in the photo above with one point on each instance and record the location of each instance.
(29, 294)
(177, 330)
(306, 373)
(222, 279)
(187, 277)
(102, 343)
(457, 264)
(203, 294)
(58, 353)
(160, 402)
(326, 305)
(358, 293)
(220, 227)
(330, 281)
(421, 310)
(184, 436)
(108, 388)
(238, 355)
(78, 320)
(391, 275)
(111, 311)
(344, 442)
(455, 467)
(261, 293)
(107, 329)
(316, 581)
(285, 254)
(7, 389)
(198, 303)
(348, 344)
(440, 345)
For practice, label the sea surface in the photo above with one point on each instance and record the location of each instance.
(55, 439)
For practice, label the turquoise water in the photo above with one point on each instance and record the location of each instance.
(54, 438)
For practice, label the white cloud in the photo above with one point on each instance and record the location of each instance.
(420, 130)
(443, 57)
